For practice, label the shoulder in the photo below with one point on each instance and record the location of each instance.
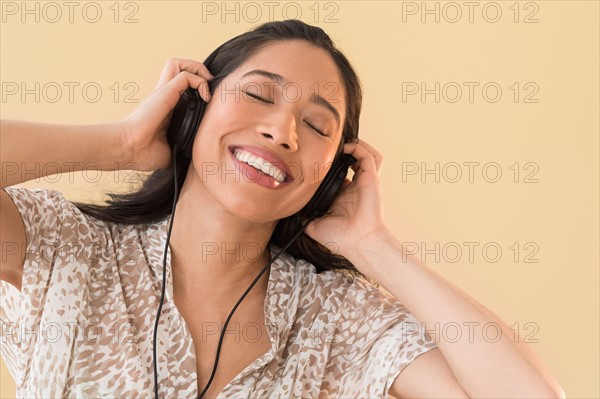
(62, 237)
(352, 297)
(54, 224)
(42, 204)
(362, 310)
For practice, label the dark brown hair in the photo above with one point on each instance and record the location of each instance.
(153, 201)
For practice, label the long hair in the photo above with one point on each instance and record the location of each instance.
(153, 201)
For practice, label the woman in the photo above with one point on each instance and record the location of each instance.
(313, 325)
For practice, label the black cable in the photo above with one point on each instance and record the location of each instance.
(239, 301)
(162, 295)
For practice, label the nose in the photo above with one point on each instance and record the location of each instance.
(282, 130)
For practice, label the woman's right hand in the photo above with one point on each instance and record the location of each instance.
(145, 129)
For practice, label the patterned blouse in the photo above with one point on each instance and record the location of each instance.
(82, 324)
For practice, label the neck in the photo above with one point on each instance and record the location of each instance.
(215, 255)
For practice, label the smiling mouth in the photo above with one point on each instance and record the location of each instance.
(260, 164)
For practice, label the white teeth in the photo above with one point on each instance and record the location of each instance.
(260, 164)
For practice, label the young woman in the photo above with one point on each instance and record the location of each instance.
(81, 284)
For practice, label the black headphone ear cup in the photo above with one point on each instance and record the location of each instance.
(185, 121)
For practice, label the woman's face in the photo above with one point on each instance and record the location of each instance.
(282, 130)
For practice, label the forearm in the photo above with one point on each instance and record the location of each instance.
(501, 367)
(31, 150)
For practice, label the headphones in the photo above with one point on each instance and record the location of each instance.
(185, 121)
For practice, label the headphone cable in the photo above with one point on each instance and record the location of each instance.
(162, 295)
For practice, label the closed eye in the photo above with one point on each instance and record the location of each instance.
(257, 97)
(316, 130)
(268, 102)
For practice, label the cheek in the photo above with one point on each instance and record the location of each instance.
(231, 107)
(317, 168)
(220, 117)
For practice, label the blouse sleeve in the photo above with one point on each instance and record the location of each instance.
(52, 225)
(379, 337)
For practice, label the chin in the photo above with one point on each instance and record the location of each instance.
(255, 211)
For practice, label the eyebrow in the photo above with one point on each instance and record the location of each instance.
(314, 98)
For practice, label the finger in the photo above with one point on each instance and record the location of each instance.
(370, 148)
(377, 156)
(194, 81)
(364, 158)
(171, 92)
(174, 66)
(204, 90)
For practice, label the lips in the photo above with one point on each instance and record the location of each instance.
(267, 156)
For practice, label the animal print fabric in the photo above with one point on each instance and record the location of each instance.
(82, 325)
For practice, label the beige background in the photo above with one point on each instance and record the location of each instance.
(553, 140)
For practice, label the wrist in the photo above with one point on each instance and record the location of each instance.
(123, 147)
(369, 247)
(374, 239)
(112, 148)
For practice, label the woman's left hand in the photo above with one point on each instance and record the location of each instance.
(357, 211)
